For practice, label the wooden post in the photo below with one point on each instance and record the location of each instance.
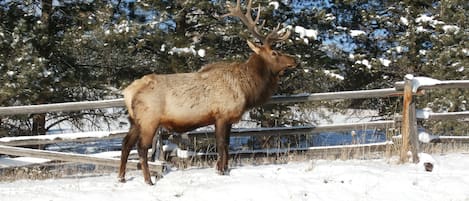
(414, 140)
(409, 124)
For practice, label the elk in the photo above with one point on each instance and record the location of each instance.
(218, 94)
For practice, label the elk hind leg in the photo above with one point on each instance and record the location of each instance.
(128, 142)
(145, 142)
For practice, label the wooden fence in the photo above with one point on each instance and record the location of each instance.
(410, 87)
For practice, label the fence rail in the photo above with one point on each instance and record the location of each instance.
(80, 158)
(86, 105)
(448, 115)
(398, 90)
(236, 132)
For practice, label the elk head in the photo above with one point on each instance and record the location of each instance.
(276, 61)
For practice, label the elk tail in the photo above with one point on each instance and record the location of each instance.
(132, 90)
(129, 93)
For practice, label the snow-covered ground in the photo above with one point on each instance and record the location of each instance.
(312, 180)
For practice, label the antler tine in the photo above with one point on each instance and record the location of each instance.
(248, 8)
(246, 18)
(251, 24)
(274, 36)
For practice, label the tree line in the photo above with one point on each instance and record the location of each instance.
(71, 50)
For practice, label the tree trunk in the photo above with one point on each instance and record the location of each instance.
(39, 120)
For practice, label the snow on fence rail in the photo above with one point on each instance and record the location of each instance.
(296, 130)
(156, 166)
(411, 86)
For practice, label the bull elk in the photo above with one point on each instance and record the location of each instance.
(219, 94)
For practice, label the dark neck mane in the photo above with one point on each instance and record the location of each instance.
(260, 82)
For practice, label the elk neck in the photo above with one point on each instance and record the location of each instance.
(260, 83)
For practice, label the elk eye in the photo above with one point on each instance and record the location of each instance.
(274, 53)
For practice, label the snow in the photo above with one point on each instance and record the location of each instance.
(428, 19)
(465, 51)
(333, 75)
(185, 50)
(385, 62)
(355, 33)
(426, 137)
(364, 62)
(424, 18)
(451, 28)
(310, 180)
(201, 53)
(10, 73)
(20, 161)
(420, 29)
(404, 21)
(330, 17)
(424, 113)
(309, 33)
(68, 136)
(418, 82)
(275, 4)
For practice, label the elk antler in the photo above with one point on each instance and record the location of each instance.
(274, 36)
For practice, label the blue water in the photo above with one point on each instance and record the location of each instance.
(312, 140)
(239, 143)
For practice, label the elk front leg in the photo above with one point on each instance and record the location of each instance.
(222, 135)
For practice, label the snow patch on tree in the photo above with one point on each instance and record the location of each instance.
(185, 50)
(364, 62)
(428, 20)
(451, 29)
(275, 4)
(404, 21)
(333, 75)
(385, 62)
(355, 33)
(309, 33)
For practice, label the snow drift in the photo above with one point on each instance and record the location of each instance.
(313, 180)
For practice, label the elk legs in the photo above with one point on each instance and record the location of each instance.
(222, 136)
(143, 155)
(144, 136)
(127, 144)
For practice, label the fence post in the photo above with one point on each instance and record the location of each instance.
(414, 140)
(409, 123)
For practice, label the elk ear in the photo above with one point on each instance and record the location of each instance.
(254, 47)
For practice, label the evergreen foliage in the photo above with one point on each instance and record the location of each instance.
(63, 51)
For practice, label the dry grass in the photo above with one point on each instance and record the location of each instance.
(52, 170)
(61, 169)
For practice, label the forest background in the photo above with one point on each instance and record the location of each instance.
(54, 51)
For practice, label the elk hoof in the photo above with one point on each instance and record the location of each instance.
(225, 172)
(121, 179)
(150, 183)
